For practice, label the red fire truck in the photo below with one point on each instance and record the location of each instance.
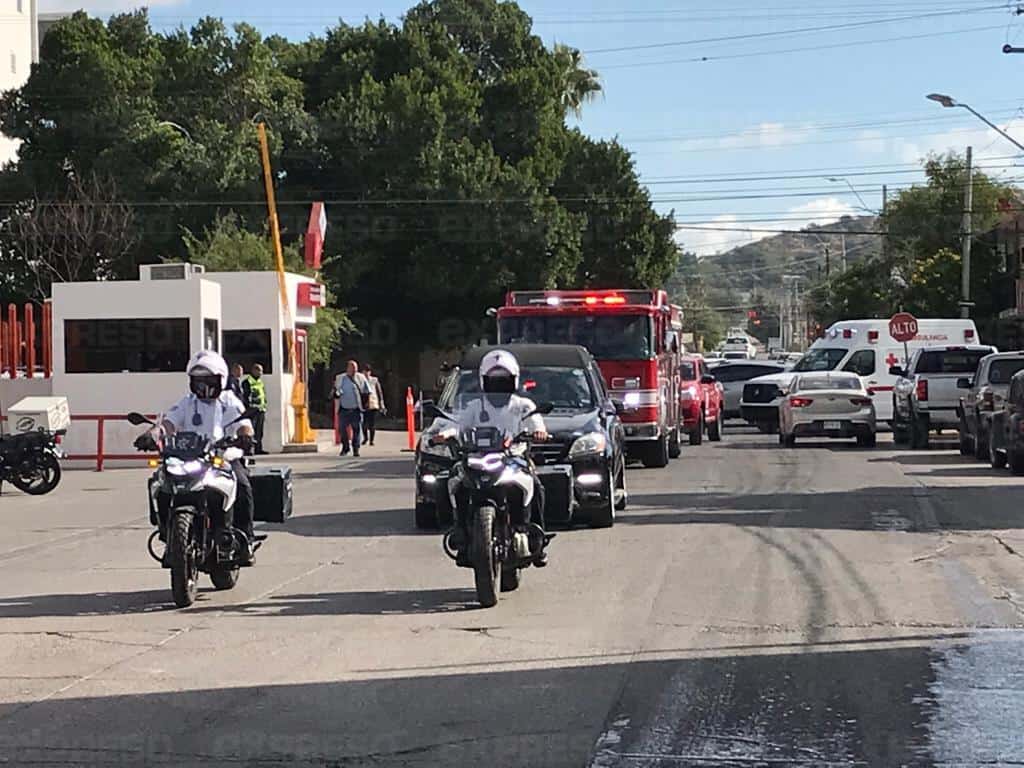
(635, 337)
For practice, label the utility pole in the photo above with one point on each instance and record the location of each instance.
(885, 223)
(965, 266)
(843, 240)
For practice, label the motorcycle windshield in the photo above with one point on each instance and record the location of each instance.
(487, 422)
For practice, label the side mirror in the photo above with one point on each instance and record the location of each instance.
(616, 407)
(707, 378)
(896, 371)
(492, 311)
(430, 410)
(963, 383)
(137, 419)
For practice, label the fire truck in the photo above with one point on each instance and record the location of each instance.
(635, 336)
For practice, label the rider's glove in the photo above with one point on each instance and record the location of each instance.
(145, 442)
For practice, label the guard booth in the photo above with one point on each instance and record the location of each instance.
(123, 346)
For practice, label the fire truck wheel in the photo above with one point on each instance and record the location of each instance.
(675, 448)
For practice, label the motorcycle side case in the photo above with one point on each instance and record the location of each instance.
(272, 493)
(558, 497)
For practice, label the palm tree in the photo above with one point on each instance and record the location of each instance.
(579, 84)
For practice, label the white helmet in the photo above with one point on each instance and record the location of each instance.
(207, 375)
(496, 366)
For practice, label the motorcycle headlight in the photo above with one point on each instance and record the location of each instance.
(180, 468)
(592, 442)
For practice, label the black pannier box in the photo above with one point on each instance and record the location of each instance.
(272, 493)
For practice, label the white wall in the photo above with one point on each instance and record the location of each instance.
(246, 297)
(119, 393)
(17, 44)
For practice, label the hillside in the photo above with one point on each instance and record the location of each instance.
(757, 268)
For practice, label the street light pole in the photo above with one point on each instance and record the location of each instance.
(949, 101)
(965, 265)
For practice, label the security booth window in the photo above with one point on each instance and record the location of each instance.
(248, 347)
(211, 334)
(126, 345)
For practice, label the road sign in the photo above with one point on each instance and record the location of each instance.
(903, 326)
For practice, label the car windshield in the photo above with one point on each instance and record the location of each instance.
(1001, 371)
(608, 337)
(950, 360)
(808, 383)
(820, 359)
(688, 371)
(565, 388)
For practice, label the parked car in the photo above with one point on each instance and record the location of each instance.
(761, 400)
(582, 466)
(926, 396)
(982, 396)
(827, 405)
(700, 399)
(1006, 434)
(734, 374)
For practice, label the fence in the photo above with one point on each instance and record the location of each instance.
(101, 455)
(25, 349)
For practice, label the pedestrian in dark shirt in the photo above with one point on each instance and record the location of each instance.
(235, 382)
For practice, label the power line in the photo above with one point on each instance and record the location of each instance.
(796, 31)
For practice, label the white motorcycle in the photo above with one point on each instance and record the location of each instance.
(492, 488)
(192, 495)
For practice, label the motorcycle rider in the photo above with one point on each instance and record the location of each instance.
(499, 381)
(208, 409)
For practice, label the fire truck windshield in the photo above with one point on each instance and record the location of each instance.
(608, 337)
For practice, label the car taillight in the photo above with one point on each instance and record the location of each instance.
(968, 334)
(922, 389)
(862, 402)
(800, 402)
(988, 402)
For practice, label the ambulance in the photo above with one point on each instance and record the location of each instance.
(865, 347)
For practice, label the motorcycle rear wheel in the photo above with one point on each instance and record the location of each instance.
(486, 567)
(46, 478)
(184, 569)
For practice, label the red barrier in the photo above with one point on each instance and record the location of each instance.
(30, 341)
(47, 339)
(337, 424)
(101, 456)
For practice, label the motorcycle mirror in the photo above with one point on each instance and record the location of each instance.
(431, 410)
(249, 413)
(543, 409)
(137, 419)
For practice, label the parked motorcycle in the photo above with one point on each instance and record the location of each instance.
(30, 461)
(492, 486)
(191, 498)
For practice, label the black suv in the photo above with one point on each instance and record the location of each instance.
(1006, 438)
(582, 466)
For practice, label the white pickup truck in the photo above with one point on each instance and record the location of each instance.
(926, 396)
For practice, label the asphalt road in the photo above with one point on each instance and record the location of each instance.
(753, 607)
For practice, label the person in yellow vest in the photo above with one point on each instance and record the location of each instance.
(254, 392)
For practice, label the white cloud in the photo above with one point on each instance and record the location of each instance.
(101, 6)
(716, 235)
(985, 141)
(761, 136)
(872, 142)
(821, 211)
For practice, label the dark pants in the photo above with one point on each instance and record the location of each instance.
(350, 419)
(245, 507)
(259, 421)
(369, 426)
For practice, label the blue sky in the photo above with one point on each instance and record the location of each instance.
(853, 110)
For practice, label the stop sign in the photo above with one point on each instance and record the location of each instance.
(903, 326)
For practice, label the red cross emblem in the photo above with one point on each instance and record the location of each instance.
(891, 360)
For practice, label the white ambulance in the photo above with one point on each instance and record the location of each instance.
(865, 347)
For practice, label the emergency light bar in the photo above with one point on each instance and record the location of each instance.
(582, 298)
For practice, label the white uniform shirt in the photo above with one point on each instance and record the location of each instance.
(510, 416)
(208, 417)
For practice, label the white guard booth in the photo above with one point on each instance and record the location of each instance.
(123, 346)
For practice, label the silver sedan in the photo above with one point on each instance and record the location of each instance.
(827, 405)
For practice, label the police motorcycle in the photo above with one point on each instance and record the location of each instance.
(191, 495)
(492, 487)
(30, 461)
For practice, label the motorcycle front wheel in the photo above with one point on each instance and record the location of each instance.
(486, 567)
(43, 477)
(184, 569)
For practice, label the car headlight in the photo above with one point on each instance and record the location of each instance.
(592, 442)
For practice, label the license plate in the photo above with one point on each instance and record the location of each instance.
(833, 425)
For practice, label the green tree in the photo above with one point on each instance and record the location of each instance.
(579, 84)
(226, 246)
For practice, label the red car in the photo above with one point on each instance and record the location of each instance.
(700, 400)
